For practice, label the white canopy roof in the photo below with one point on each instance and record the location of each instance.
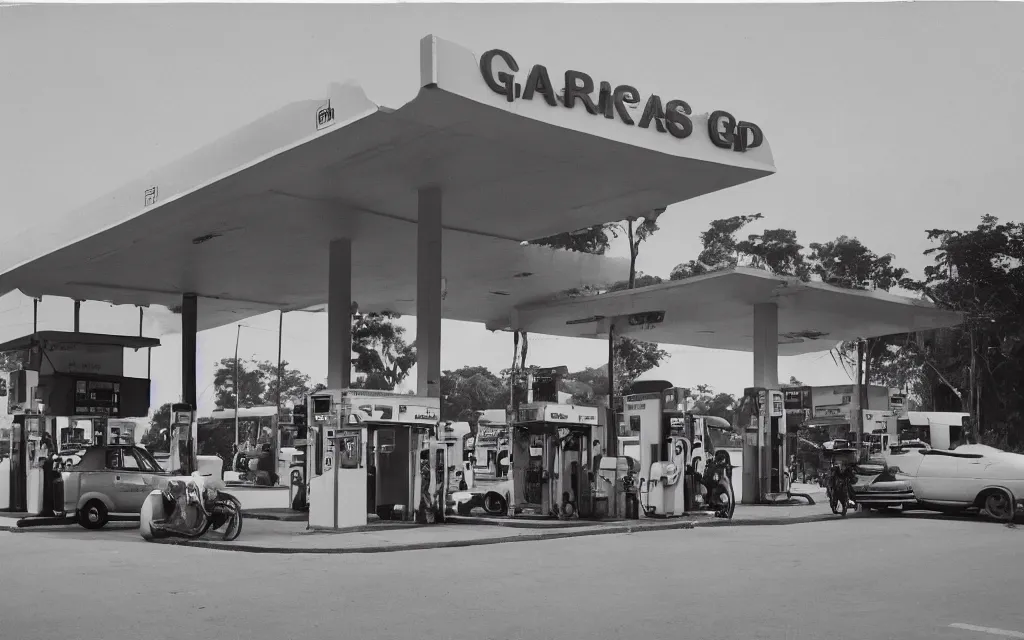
(716, 311)
(245, 222)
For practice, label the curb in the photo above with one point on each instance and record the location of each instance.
(524, 523)
(550, 535)
(553, 535)
(276, 518)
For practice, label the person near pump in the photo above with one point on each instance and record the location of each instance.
(47, 454)
(598, 454)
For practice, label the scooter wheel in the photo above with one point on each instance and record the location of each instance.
(234, 528)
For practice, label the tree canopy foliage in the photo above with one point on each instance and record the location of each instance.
(383, 355)
(257, 383)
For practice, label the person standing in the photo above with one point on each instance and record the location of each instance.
(598, 452)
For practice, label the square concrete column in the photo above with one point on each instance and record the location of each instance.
(766, 345)
(189, 330)
(339, 315)
(428, 294)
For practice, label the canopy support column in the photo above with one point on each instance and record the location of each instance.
(189, 330)
(428, 293)
(339, 315)
(766, 345)
(757, 452)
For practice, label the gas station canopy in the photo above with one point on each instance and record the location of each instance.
(79, 339)
(715, 311)
(246, 222)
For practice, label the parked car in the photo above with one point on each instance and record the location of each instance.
(110, 479)
(969, 478)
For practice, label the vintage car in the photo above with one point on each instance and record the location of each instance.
(970, 478)
(111, 479)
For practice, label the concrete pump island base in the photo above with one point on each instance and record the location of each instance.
(419, 209)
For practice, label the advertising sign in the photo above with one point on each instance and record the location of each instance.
(797, 399)
(829, 412)
(66, 357)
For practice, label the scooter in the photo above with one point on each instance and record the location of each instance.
(714, 489)
(188, 508)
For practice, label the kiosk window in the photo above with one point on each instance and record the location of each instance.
(321, 405)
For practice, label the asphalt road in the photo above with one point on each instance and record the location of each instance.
(863, 578)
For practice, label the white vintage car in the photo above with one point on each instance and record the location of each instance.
(972, 477)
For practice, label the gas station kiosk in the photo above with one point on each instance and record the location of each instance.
(374, 452)
(72, 375)
(675, 449)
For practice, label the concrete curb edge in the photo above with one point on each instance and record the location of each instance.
(547, 535)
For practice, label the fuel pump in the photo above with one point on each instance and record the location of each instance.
(681, 470)
(552, 471)
(374, 452)
(183, 439)
(765, 473)
(297, 472)
(25, 438)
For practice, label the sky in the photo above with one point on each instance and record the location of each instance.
(884, 119)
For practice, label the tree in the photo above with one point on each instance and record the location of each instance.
(251, 384)
(633, 358)
(158, 437)
(257, 383)
(294, 384)
(793, 382)
(720, 248)
(586, 385)
(9, 361)
(979, 272)
(637, 229)
(845, 262)
(470, 389)
(593, 240)
(707, 402)
(640, 280)
(777, 251)
(383, 355)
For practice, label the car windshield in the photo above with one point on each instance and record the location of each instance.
(145, 459)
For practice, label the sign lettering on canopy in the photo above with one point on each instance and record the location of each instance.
(672, 117)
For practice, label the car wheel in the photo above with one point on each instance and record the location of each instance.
(998, 505)
(495, 504)
(93, 515)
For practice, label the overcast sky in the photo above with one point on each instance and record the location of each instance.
(884, 119)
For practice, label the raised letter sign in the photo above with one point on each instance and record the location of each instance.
(538, 81)
(741, 143)
(653, 111)
(604, 100)
(676, 120)
(717, 121)
(574, 90)
(623, 94)
(504, 82)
